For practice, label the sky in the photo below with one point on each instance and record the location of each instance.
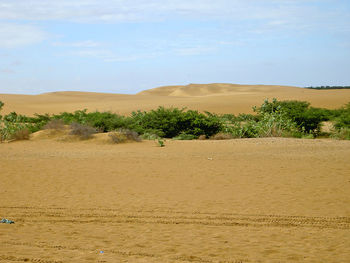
(125, 46)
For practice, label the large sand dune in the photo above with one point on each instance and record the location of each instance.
(219, 98)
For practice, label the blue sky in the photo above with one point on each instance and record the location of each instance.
(125, 46)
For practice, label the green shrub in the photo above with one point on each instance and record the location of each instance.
(172, 122)
(105, 121)
(14, 126)
(197, 124)
(185, 136)
(341, 134)
(149, 136)
(307, 119)
(11, 130)
(160, 143)
(242, 130)
(343, 119)
(275, 124)
(247, 117)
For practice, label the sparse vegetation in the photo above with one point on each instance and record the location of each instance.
(149, 136)
(124, 135)
(54, 124)
(160, 143)
(22, 134)
(83, 131)
(271, 119)
(185, 136)
(13, 127)
(328, 87)
(222, 136)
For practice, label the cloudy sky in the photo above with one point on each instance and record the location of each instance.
(125, 46)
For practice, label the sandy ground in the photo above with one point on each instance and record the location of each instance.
(246, 200)
(219, 98)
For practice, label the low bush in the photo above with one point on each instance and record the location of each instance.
(307, 119)
(54, 124)
(149, 136)
(84, 132)
(172, 122)
(275, 118)
(275, 124)
(341, 134)
(124, 135)
(21, 134)
(222, 136)
(160, 143)
(11, 131)
(117, 137)
(342, 121)
(185, 136)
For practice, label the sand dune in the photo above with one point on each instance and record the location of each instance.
(219, 98)
(200, 90)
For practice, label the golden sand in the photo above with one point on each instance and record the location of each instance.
(245, 200)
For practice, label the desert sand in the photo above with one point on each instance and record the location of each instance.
(243, 200)
(219, 98)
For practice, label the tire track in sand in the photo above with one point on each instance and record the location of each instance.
(100, 215)
(25, 259)
(111, 251)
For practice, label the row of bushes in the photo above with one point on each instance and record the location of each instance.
(272, 118)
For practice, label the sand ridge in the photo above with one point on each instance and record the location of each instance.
(199, 90)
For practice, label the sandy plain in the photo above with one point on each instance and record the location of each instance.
(246, 200)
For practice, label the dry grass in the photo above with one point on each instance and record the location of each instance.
(84, 132)
(22, 134)
(202, 137)
(222, 136)
(54, 125)
(124, 135)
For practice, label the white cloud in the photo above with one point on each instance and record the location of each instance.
(111, 11)
(193, 51)
(109, 56)
(93, 53)
(15, 35)
(81, 44)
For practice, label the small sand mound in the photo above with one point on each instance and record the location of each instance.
(65, 136)
(48, 134)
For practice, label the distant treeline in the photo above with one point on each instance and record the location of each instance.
(328, 87)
